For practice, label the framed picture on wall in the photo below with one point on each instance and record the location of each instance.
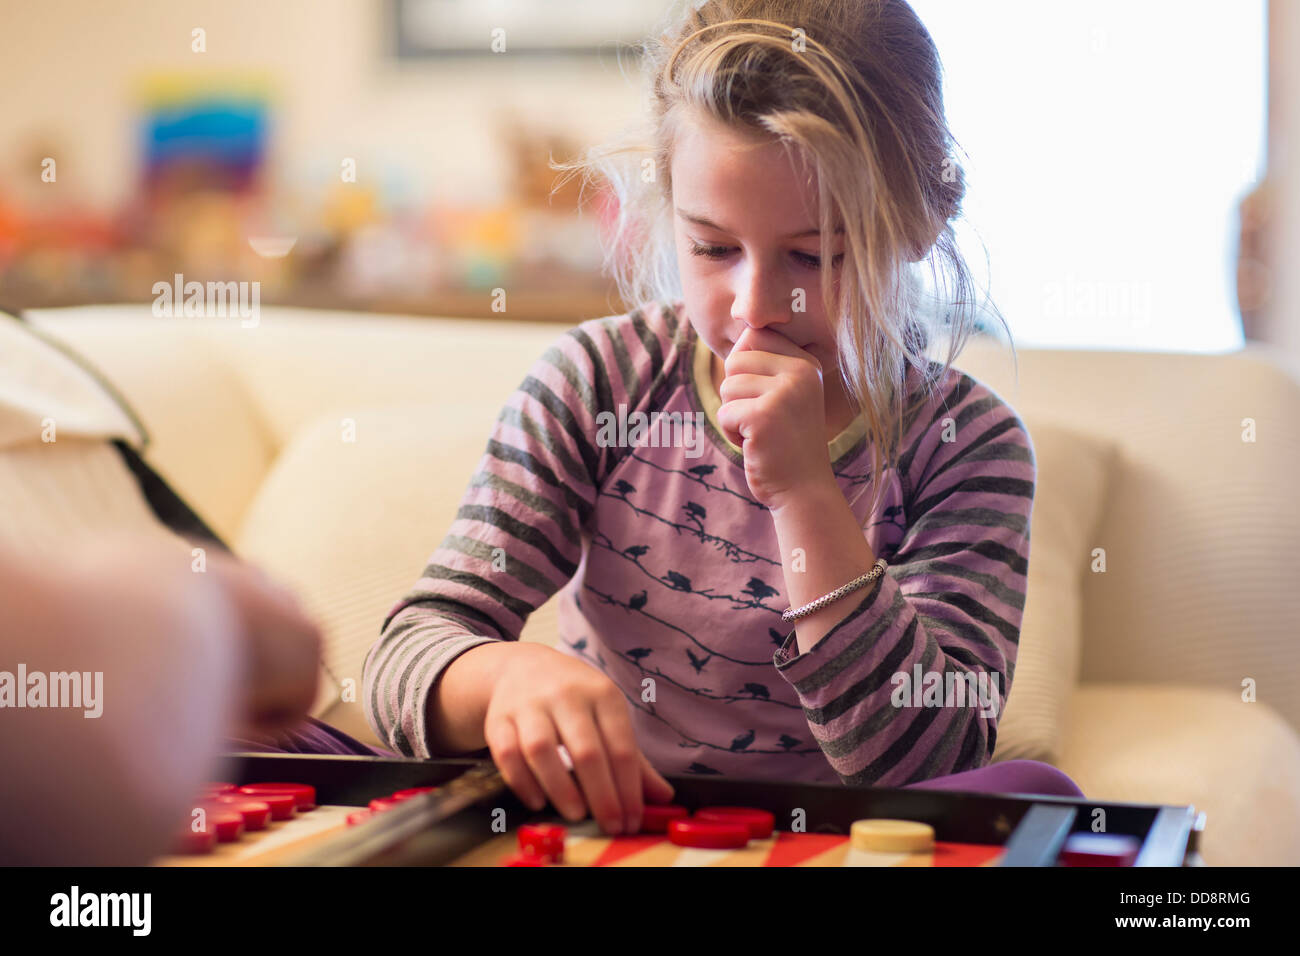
(433, 28)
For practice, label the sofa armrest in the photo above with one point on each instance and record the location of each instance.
(1237, 762)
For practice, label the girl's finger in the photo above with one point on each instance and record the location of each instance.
(654, 786)
(732, 417)
(743, 385)
(586, 747)
(769, 339)
(503, 743)
(539, 741)
(755, 362)
(621, 745)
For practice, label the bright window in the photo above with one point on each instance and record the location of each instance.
(1109, 144)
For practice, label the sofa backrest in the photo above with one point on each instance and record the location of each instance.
(1201, 527)
(248, 390)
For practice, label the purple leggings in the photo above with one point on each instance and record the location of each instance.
(1009, 776)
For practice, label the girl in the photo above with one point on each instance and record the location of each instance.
(829, 584)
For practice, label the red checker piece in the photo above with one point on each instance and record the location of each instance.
(255, 812)
(380, 804)
(524, 859)
(708, 834)
(225, 823)
(545, 840)
(359, 816)
(1099, 849)
(304, 796)
(191, 841)
(656, 816)
(760, 822)
(219, 788)
(412, 792)
(281, 804)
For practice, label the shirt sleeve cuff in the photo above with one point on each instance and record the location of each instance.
(418, 732)
(795, 666)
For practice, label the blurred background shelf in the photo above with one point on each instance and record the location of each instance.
(408, 163)
(290, 145)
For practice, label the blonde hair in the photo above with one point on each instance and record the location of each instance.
(853, 90)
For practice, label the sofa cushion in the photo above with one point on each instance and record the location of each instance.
(349, 514)
(1200, 530)
(1073, 476)
(298, 365)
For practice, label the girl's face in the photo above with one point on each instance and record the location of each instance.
(759, 245)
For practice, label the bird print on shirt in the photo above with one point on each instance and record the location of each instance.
(674, 574)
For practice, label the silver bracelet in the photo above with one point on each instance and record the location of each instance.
(794, 613)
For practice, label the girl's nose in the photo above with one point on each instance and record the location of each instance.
(760, 301)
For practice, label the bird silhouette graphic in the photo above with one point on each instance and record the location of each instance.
(698, 662)
(639, 654)
(623, 488)
(777, 637)
(677, 581)
(636, 550)
(786, 741)
(698, 767)
(759, 589)
(637, 601)
(694, 512)
(756, 691)
(743, 741)
(580, 644)
(703, 471)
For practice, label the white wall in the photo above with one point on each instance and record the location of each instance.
(1110, 143)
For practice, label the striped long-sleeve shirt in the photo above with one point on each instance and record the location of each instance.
(672, 582)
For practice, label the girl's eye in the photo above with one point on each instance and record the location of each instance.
(717, 252)
(815, 262)
(710, 252)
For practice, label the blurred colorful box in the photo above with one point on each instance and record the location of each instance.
(203, 131)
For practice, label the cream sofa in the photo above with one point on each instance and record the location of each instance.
(1158, 658)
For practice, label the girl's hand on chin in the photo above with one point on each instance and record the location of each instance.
(773, 408)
